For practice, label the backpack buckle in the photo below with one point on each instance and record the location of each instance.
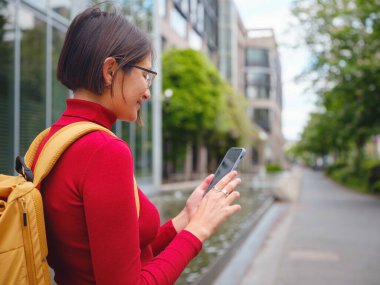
(22, 169)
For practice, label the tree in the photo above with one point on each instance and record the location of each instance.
(344, 39)
(203, 109)
(192, 110)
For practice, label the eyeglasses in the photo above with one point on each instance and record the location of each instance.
(149, 77)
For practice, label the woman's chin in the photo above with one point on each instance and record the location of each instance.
(130, 118)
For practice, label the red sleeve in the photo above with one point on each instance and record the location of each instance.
(166, 267)
(112, 223)
(164, 237)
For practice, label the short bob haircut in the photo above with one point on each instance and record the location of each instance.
(93, 36)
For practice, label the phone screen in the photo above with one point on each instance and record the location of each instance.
(230, 162)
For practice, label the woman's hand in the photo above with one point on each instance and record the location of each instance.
(192, 203)
(215, 207)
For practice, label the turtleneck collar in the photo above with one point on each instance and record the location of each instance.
(89, 111)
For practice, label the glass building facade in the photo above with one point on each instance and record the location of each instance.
(258, 83)
(258, 79)
(194, 21)
(31, 99)
(263, 89)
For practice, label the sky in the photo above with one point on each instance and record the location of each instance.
(297, 102)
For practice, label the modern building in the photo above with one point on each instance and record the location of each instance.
(232, 46)
(263, 88)
(31, 98)
(190, 24)
(232, 34)
(248, 59)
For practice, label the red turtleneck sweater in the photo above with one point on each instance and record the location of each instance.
(93, 232)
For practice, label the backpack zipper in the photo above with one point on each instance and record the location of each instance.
(24, 216)
(27, 243)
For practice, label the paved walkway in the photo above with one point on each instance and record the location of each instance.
(331, 236)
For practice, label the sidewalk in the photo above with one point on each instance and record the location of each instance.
(331, 236)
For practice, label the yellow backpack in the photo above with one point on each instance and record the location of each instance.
(23, 246)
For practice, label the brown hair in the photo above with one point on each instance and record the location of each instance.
(93, 36)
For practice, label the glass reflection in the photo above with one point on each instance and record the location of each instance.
(37, 3)
(32, 23)
(59, 92)
(140, 138)
(61, 7)
(32, 77)
(7, 32)
(178, 23)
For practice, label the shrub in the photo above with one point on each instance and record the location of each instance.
(334, 167)
(374, 178)
(367, 179)
(375, 188)
(273, 168)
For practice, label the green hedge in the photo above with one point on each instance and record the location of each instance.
(273, 168)
(367, 179)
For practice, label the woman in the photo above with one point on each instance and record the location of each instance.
(94, 232)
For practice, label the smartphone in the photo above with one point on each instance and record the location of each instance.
(230, 162)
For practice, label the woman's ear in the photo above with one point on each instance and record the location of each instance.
(109, 70)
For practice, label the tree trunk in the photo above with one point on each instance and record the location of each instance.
(359, 156)
(167, 164)
(202, 161)
(188, 162)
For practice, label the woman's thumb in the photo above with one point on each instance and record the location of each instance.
(206, 182)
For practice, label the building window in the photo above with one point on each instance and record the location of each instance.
(200, 18)
(7, 45)
(193, 11)
(261, 117)
(263, 92)
(258, 79)
(251, 92)
(258, 85)
(183, 7)
(32, 77)
(258, 92)
(178, 23)
(143, 144)
(210, 24)
(257, 57)
(61, 7)
(195, 40)
(59, 92)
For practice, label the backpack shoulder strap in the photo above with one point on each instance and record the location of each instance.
(57, 144)
(31, 153)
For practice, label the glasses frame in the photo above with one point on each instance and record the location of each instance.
(149, 79)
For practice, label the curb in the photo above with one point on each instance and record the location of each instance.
(241, 262)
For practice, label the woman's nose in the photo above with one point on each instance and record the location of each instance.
(147, 94)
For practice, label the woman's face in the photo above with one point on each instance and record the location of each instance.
(130, 90)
